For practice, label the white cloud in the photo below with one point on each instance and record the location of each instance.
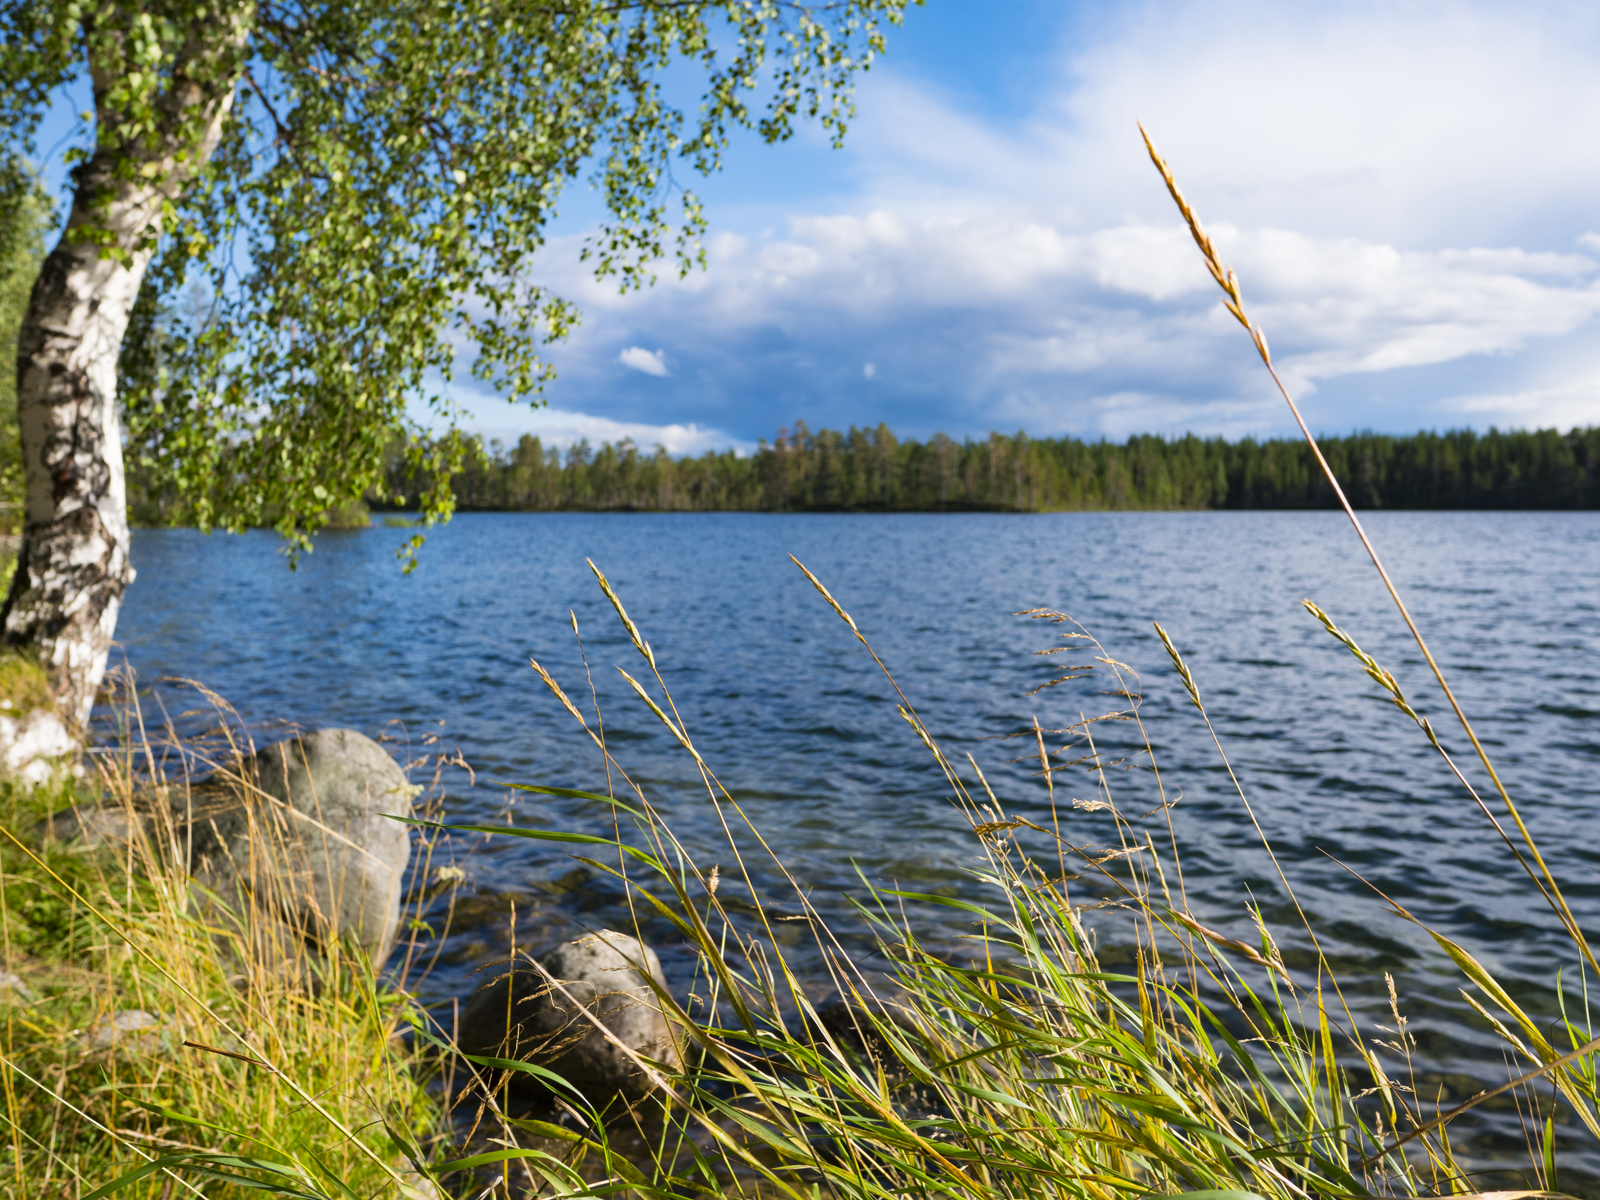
(984, 309)
(1562, 406)
(1396, 225)
(493, 418)
(640, 359)
(1367, 119)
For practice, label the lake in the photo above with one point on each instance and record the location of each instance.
(798, 722)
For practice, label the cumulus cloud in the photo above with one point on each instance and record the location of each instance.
(562, 428)
(640, 359)
(1416, 245)
(991, 322)
(1364, 119)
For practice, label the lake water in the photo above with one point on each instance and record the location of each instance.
(801, 726)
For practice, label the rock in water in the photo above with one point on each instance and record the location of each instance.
(301, 835)
(520, 1015)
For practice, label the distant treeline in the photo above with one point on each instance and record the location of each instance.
(872, 470)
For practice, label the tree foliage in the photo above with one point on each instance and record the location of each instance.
(372, 216)
(872, 470)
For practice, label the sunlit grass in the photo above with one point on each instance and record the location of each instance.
(293, 1061)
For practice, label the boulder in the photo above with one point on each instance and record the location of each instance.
(300, 838)
(521, 1015)
(88, 826)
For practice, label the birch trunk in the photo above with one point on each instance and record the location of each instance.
(73, 567)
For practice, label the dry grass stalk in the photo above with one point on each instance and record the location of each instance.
(1234, 302)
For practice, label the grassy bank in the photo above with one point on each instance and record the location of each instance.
(142, 1036)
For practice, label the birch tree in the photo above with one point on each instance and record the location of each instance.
(345, 197)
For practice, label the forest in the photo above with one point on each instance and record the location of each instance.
(873, 470)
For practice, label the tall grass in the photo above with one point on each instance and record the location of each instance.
(1033, 1068)
(1134, 1052)
(249, 1053)
(1034, 1065)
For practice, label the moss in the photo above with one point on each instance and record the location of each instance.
(24, 686)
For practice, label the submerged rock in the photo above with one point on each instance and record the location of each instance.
(521, 1015)
(301, 838)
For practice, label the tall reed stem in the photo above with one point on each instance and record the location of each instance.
(1229, 283)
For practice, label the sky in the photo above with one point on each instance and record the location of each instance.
(1410, 194)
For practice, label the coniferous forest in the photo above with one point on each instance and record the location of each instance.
(872, 470)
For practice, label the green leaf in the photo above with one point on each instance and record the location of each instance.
(493, 1156)
(541, 835)
(205, 1164)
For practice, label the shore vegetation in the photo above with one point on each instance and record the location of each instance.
(146, 1044)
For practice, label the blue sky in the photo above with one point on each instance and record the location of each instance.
(1410, 193)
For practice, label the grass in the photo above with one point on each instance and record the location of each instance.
(1196, 1063)
(238, 1060)
(1151, 1056)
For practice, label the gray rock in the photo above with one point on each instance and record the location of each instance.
(12, 987)
(299, 838)
(520, 1015)
(87, 826)
(128, 1028)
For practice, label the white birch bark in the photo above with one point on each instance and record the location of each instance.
(74, 567)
